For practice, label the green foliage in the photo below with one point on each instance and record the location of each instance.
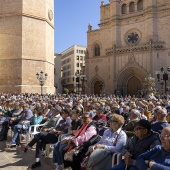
(66, 91)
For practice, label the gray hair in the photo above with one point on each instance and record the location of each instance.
(136, 112)
(163, 111)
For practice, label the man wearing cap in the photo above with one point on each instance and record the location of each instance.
(142, 141)
(157, 158)
(54, 120)
(161, 120)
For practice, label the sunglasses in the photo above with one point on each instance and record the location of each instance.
(138, 128)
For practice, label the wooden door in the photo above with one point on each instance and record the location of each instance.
(133, 86)
(97, 88)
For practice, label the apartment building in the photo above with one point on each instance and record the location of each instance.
(72, 62)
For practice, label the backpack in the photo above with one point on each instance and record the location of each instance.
(81, 150)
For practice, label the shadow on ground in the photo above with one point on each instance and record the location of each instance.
(20, 161)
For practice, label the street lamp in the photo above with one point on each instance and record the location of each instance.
(162, 87)
(77, 81)
(80, 77)
(41, 77)
(162, 81)
(63, 85)
(83, 80)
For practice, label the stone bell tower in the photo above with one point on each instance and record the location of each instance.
(26, 45)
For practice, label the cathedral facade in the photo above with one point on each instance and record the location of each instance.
(132, 42)
(26, 45)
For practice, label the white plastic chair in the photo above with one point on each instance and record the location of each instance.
(33, 130)
(116, 159)
(48, 149)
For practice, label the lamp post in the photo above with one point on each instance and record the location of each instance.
(77, 81)
(41, 77)
(162, 87)
(162, 80)
(80, 77)
(63, 85)
(83, 80)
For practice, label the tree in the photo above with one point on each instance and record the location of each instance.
(66, 91)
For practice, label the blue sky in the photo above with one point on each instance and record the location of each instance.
(71, 22)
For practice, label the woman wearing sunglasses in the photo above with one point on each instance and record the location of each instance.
(113, 140)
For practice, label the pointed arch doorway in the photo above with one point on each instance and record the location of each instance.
(134, 84)
(97, 88)
(130, 80)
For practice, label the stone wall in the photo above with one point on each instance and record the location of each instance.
(148, 54)
(26, 45)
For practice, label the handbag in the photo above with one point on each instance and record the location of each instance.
(74, 151)
(64, 138)
(68, 156)
(25, 125)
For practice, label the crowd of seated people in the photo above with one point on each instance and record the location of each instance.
(51, 137)
(137, 128)
(10, 119)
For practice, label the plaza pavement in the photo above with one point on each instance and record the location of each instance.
(16, 160)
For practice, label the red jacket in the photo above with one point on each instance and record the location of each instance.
(102, 116)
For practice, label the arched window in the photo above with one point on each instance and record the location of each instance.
(132, 7)
(96, 50)
(140, 5)
(124, 9)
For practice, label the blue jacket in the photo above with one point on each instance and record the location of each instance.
(138, 146)
(158, 126)
(158, 155)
